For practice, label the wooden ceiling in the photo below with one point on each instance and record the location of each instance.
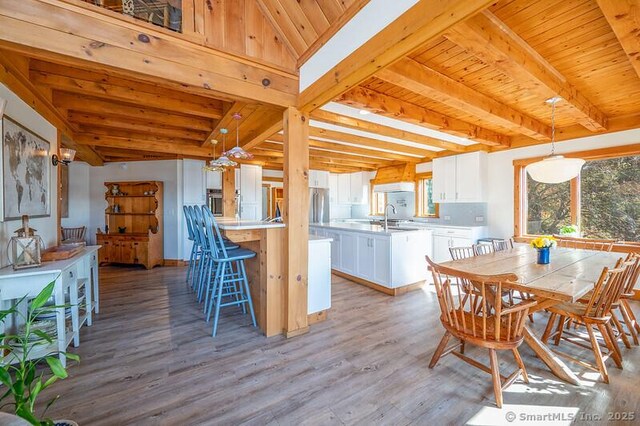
(485, 79)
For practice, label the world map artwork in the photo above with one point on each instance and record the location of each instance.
(25, 171)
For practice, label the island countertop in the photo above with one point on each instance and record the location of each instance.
(365, 227)
(233, 224)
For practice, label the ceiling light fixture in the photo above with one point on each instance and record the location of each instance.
(364, 112)
(554, 168)
(237, 151)
(221, 163)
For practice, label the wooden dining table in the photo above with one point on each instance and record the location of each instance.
(570, 275)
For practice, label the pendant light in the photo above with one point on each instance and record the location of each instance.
(222, 162)
(237, 151)
(554, 168)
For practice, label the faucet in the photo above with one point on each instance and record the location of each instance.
(386, 215)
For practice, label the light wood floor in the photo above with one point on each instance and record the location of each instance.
(150, 359)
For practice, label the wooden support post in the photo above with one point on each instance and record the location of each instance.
(229, 192)
(296, 218)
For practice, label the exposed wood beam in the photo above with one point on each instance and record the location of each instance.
(429, 83)
(421, 23)
(92, 120)
(127, 134)
(52, 28)
(361, 140)
(494, 43)
(225, 121)
(144, 145)
(270, 148)
(345, 17)
(19, 83)
(356, 150)
(210, 109)
(277, 156)
(267, 129)
(112, 109)
(368, 126)
(624, 18)
(388, 106)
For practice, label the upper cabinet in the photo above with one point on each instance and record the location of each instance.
(333, 188)
(318, 179)
(250, 192)
(214, 180)
(351, 188)
(460, 178)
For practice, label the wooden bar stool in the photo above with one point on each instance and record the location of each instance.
(194, 247)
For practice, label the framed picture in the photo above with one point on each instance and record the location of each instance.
(26, 174)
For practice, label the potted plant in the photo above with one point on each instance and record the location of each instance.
(570, 231)
(32, 343)
(543, 244)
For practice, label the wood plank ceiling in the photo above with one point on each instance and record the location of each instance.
(485, 81)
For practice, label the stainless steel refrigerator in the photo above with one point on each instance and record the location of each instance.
(318, 205)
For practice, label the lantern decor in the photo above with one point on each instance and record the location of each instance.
(25, 248)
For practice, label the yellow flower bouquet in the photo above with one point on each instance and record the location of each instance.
(544, 241)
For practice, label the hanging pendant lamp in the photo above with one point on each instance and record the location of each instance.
(219, 164)
(237, 151)
(554, 168)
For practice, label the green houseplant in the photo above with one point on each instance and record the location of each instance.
(26, 349)
(570, 230)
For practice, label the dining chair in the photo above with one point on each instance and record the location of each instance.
(73, 235)
(584, 243)
(495, 326)
(190, 237)
(482, 249)
(594, 315)
(458, 253)
(628, 293)
(502, 245)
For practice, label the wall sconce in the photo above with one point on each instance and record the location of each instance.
(66, 157)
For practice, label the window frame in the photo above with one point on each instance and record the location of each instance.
(418, 205)
(373, 205)
(520, 184)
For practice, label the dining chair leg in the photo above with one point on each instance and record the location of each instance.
(631, 315)
(462, 346)
(495, 374)
(191, 257)
(440, 349)
(241, 292)
(516, 355)
(216, 284)
(621, 331)
(629, 323)
(611, 342)
(547, 330)
(597, 353)
(559, 330)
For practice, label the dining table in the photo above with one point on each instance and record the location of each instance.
(570, 275)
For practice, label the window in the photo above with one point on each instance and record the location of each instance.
(425, 207)
(604, 201)
(378, 201)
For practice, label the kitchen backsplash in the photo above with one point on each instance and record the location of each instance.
(458, 214)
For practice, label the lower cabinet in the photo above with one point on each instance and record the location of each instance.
(129, 249)
(443, 238)
(391, 260)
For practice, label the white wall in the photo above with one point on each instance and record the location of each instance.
(47, 226)
(79, 203)
(500, 202)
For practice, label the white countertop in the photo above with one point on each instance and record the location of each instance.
(233, 224)
(363, 227)
(316, 239)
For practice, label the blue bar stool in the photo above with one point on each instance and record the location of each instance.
(190, 236)
(230, 287)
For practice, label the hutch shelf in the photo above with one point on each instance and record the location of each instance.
(134, 227)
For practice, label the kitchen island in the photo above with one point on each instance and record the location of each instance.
(266, 271)
(391, 261)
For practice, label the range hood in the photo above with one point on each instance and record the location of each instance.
(398, 178)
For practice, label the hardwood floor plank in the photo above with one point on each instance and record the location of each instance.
(149, 359)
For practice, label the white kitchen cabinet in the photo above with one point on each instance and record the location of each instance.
(359, 193)
(441, 244)
(250, 192)
(348, 250)
(460, 178)
(333, 188)
(445, 237)
(214, 180)
(335, 249)
(318, 179)
(365, 256)
(319, 284)
(382, 260)
(344, 188)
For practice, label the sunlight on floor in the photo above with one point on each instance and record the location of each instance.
(515, 414)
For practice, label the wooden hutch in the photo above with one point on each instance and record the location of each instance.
(134, 226)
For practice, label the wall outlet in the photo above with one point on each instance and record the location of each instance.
(447, 218)
(479, 218)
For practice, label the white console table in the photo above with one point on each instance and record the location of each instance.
(70, 276)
